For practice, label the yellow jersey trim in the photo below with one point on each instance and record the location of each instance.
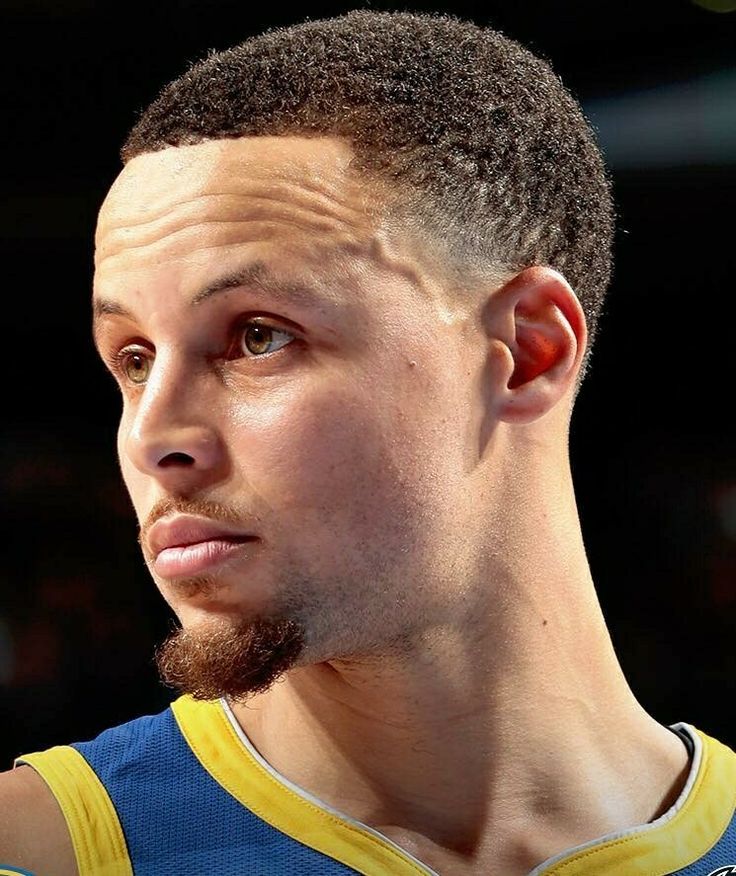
(213, 740)
(680, 841)
(97, 837)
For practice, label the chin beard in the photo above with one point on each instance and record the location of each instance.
(233, 659)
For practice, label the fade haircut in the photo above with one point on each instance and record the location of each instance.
(487, 152)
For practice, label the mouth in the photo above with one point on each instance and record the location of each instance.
(202, 556)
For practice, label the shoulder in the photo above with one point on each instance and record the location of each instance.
(33, 831)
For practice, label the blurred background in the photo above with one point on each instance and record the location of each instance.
(653, 441)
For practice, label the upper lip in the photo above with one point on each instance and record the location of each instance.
(185, 529)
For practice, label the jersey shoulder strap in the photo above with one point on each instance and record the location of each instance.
(96, 834)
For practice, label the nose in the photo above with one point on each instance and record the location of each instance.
(172, 434)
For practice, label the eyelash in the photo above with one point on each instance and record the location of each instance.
(117, 360)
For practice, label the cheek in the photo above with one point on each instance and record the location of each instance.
(337, 462)
(302, 446)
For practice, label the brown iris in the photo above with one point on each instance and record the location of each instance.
(257, 338)
(136, 367)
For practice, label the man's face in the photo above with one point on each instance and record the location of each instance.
(292, 369)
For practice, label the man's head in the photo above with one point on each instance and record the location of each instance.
(485, 155)
(375, 191)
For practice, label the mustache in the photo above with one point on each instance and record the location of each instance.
(200, 507)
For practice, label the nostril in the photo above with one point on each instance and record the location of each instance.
(176, 459)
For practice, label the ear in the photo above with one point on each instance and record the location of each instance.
(539, 337)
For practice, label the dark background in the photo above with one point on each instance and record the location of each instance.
(653, 433)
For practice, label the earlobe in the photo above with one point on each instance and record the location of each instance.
(545, 344)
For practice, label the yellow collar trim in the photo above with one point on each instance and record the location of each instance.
(221, 752)
(660, 849)
(652, 850)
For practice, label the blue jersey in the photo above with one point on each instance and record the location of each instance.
(185, 792)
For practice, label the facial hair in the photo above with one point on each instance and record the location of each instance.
(232, 658)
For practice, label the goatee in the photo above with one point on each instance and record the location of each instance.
(232, 659)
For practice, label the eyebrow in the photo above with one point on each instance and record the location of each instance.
(254, 275)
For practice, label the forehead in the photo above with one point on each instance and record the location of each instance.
(158, 195)
(183, 217)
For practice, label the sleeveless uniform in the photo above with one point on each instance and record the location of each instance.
(185, 792)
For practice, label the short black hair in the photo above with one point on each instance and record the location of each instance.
(490, 151)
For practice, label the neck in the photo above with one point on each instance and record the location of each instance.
(508, 732)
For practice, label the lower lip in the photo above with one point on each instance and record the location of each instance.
(195, 558)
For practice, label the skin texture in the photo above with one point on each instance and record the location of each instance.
(404, 465)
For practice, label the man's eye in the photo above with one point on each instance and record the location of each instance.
(257, 338)
(133, 365)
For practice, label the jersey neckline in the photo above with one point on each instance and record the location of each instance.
(687, 831)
